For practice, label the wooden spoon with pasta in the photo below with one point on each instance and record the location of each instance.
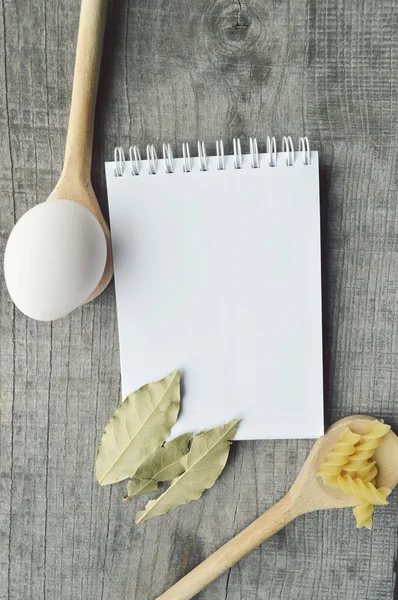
(307, 494)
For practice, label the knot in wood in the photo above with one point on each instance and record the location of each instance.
(232, 25)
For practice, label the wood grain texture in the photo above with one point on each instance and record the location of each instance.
(177, 70)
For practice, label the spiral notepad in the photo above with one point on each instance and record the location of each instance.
(218, 273)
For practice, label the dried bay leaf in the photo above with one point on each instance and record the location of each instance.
(202, 466)
(139, 425)
(164, 464)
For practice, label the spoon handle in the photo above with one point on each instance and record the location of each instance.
(78, 152)
(223, 559)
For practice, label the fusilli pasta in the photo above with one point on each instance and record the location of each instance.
(363, 492)
(363, 515)
(339, 457)
(358, 463)
(349, 468)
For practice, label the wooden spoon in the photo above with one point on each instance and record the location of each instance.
(307, 494)
(75, 181)
(59, 255)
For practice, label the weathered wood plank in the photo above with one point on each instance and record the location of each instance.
(181, 71)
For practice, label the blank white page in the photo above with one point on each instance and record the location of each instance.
(218, 274)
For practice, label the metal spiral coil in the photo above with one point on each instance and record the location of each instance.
(256, 160)
(288, 149)
(120, 161)
(204, 165)
(152, 159)
(187, 166)
(168, 158)
(304, 148)
(237, 154)
(271, 151)
(220, 155)
(135, 159)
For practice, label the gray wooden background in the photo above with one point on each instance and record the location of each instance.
(179, 70)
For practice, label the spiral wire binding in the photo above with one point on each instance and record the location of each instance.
(304, 148)
(135, 159)
(271, 151)
(237, 154)
(168, 158)
(119, 161)
(220, 155)
(152, 159)
(255, 162)
(187, 166)
(288, 149)
(204, 165)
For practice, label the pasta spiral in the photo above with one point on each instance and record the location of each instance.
(363, 492)
(349, 468)
(367, 473)
(358, 462)
(339, 457)
(363, 515)
(363, 512)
